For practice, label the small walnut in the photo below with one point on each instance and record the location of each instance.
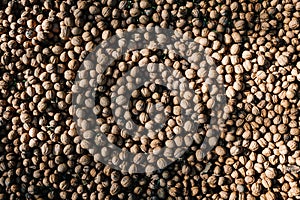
(42, 136)
(258, 167)
(161, 163)
(62, 168)
(25, 117)
(203, 42)
(238, 69)
(85, 160)
(292, 144)
(235, 150)
(261, 60)
(261, 75)
(190, 73)
(76, 41)
(57, 49)
(294, 23)
(294, 191)
(270, 173)
(237, 38)
(69, 75)
(266, 182)
(46, 25)
(173, 191)
(238, 85)
(144, 117)
(290, 94)
(270, 195)
(94, 10)
(249, 179)
(283, 149)
(282, 128)
(230, 92)
(212, 36)
(220, 151)
(106, 34)
(126, 181)
(253, 146)
(45, 149)
(114, 188)
(256, 189)
(282, 60)
(235, 49)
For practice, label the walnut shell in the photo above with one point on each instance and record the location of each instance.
(282, 60)
(62, 168)
(126, 181)
(235, 49)
(236, 37)
(294, 23)
(46, 149)
(85, 160)
(256, 189)
(25, 118)
(106, 11)
(114, 188)
(261, 60)
(57, 49)
(94, 10)
(235, 150)
(76, 41)
(220, 151)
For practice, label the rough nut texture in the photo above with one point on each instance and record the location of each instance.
(253, 44)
